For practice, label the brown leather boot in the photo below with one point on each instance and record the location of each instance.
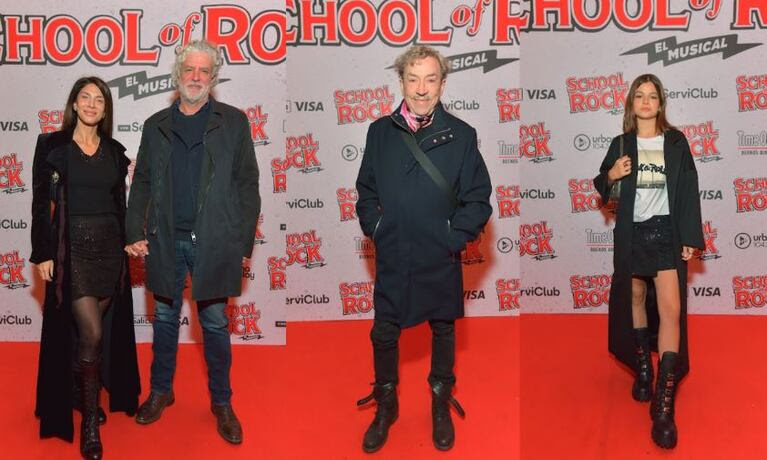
(387, 412)
(664, 432)
(226, 423)
(151, 410)
(90, 439)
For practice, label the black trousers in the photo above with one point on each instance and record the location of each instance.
(385, 338)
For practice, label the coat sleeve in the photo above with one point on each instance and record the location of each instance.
(601, 182)
(474, 196)
(246, 184)
(140, 190)
(41, 204)
(368, 205)
(689, 215)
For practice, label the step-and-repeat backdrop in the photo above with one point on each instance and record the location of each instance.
(578, 60)
(45, 46)
(308, 113)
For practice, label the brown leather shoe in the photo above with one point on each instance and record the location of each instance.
(152, 408)
(226, 422)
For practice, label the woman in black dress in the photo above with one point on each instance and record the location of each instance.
(657, 228)
(78, 210)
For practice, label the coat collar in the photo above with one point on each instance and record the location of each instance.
(58, 146)
(438, 121)
(214, 121)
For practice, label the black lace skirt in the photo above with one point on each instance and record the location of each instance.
(97, 255)
(652, 246)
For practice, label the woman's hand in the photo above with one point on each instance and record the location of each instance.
(621, 168)
(45, 270)
(138, 249)
(687, 253)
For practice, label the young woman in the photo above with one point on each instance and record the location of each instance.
(657, 228)
(78, 210)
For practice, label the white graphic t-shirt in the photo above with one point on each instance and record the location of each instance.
(651, 194)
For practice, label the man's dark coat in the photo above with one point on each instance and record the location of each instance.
(417, 233)
(50, 241)
(684, 208)
(228, 204)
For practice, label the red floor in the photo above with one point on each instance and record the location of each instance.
(576, 399)
(298, 402)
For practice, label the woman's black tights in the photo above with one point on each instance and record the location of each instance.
(88, 312)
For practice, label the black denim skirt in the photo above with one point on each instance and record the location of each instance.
(652, 246)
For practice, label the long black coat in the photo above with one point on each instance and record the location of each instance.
(684, 208)
(228, 204)
(417, 233)
(50, 241)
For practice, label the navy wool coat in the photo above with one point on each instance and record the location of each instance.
(417, 232)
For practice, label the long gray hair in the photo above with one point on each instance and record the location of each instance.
(197, 46)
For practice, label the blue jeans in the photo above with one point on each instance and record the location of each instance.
(215, 333)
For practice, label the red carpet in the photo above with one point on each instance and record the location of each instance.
(576, 399)
(298, 402)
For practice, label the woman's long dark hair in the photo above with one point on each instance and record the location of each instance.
(629, 118)
(70, 117)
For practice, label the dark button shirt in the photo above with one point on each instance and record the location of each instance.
(187, 149)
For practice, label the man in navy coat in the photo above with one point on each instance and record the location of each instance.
(419, 231)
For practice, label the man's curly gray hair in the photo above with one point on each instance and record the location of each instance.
(197, 46)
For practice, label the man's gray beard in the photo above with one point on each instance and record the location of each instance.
(189, 100)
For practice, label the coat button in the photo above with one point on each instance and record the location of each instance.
(435, 141)
(443, 138)
(451, 136)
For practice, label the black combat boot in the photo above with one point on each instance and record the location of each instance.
(443, 432)
(90, 440)
(642, 389)
(662, 408)
(387, 411)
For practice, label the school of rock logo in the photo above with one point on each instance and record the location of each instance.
(12, 270)
(594, 93)
(363, 105)
(599, 240)
(535, 241)
(364, 247)
(301, 154)
(534, 142)
(590, 291)
(670, 52)
(358, 23)
(347, 200)
(583, 196)
(750, 194)
(300, 249)
(702, 139)
(10, 174)
(752, 144)
(50, 120)
(508, 104)
(750, 291)
(508, 201)
(752, 92)
(709, 236)
(508, 293)
(108, 40)
(243, 321)
(356, 297)
(471, 253)
(257, 120)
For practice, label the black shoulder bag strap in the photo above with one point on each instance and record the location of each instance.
(430, 169)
